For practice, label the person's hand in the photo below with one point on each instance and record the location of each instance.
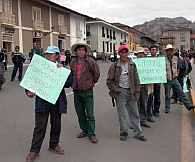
(59, 65)
(30, 94)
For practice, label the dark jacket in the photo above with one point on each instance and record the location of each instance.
(89, 75)
(18, 58)
(61, 104)
(2, 56)
(113, 79)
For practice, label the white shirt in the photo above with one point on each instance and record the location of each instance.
(124, 78)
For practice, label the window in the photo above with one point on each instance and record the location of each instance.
(7, 6)
(1, 5)
(36, 14)
(114, 47)
(107, 33)
(110, 34)
(78, 29)
(61, 20)
(103, 46)
(114, 36)
(110, 47)
(121, 35)
(107, 45)
(182, 37)
(103, 33)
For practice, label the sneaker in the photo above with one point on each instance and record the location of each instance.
(58, 150)
(93, 139)
(32, 156)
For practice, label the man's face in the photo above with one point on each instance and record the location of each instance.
(153, 51)
(123, 54)
(81, 52)
(51, 57)
(141, 54)
(169, 52)
(17, 49)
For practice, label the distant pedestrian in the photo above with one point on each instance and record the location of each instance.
(123, 83)
(35, 50)
(62, 57)
(85, 75)
(18, 59)
(68, 57)
(5, 59)
(2, 69)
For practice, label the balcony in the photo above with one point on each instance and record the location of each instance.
(7, 19)
(62, 29)
(38, 25)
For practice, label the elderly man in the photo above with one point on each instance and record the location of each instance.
(172, 82)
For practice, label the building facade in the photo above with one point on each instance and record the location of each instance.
(179, 37)
(105, 38)
(25, 23)
(136, 38)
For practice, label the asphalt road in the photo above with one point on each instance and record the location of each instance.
(171, 138)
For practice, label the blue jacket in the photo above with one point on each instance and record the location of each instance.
(61, 104)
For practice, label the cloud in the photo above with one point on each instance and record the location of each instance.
(132, 12)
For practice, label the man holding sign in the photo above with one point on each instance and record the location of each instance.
(44, 106)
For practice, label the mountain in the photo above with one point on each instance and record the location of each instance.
(155, 27)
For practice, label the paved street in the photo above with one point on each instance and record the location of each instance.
(171, 138)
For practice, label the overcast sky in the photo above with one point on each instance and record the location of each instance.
(132, 12)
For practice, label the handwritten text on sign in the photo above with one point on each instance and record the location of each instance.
(45, 79)
(151, 70)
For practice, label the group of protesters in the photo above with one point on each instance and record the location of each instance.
(136, 103)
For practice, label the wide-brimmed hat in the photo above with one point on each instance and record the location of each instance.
(77, 45)
(169, 46)
(140, 50)
(123, 47)
(52, 50)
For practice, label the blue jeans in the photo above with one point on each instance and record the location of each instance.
(175, 85)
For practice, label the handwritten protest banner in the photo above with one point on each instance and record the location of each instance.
(151, 70)
(45, 79)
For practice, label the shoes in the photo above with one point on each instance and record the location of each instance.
(82, 135)
(151, 120)
(32, 156)
(167, 111)
(191, 108)
(157, 114)
(174, 102)
(93, 139)
(140, 138)
(58, 150)
(144, 124)
(123, 136)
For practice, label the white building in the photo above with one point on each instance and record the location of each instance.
(77, 29)
(105, 38)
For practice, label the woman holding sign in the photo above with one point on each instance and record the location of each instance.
(43, 110)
